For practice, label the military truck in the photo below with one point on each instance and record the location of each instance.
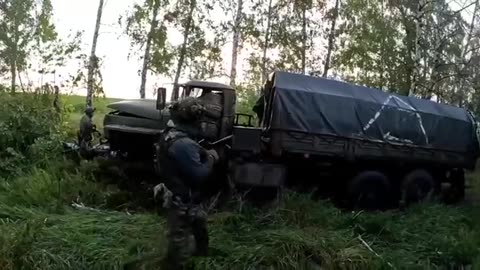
(369, 147)
(132, 127)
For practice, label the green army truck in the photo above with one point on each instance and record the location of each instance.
(370, 148)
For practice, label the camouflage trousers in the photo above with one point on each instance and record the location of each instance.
(187, 233)
(85, 145)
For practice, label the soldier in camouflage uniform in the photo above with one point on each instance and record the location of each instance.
(87, 128)
(186, 166)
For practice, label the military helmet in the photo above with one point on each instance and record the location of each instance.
(89, 110)
(187, 110)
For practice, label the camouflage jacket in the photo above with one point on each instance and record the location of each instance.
(186, 164)
(86, 128)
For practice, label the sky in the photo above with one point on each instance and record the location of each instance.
(120, 74)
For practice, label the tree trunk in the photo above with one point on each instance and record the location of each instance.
(419, 16)
(56, 101)
(146, 57)
(331, 39)
(13, 59)
(460, 81)
(435, 75)
(13, 71)
(183, 51)
(382, 66)
(236, 37)
(304, 38)
(20, 80)
(93, 63)
(267, 40)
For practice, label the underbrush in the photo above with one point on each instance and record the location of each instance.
(52, 220)
(30, 131)
(56, 214)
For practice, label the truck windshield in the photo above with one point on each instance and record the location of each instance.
(199, 92)
(196, 92)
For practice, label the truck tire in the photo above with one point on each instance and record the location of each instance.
(417, 186)
(368, 190)
(457, 189)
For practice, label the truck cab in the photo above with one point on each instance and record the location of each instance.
(133, 126)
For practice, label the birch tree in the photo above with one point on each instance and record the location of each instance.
(154, 16)
(234, 26)
(261, 17)
(377, 60)
(331, 37)
(466, 77)
(267, 36)
(92, 63)
(300, 37)
(186, 24)
(199, 55)
(146, 57)
(22, 23)
(236, 39)
(420, 15)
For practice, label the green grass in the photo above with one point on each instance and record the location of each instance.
(78, 102)
(76, 105)
(41, 229)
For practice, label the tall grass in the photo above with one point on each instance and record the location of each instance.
(303, 234)
(56, 214)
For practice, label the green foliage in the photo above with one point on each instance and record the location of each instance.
(30, 129)
(89, 240)
(202, 55)
(297, 35)
(384, 59)
(80, 77)
(138, 22)
(287, 237)
(380, 57)
(54, 54)
(247, 96)
(23, 26)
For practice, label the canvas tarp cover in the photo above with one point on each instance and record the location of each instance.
(323, 106)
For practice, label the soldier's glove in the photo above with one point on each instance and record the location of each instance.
(212, 154)
(163, 194)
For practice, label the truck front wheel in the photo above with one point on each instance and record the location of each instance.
(368, 190)
(456, 193)
(417, 186)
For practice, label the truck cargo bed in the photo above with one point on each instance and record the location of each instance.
(330, 118)
(358, 149)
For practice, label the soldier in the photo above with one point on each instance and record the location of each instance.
(186, 166)
(87, 128)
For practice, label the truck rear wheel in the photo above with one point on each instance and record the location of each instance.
(368, 190)
(456, 193)
(417, 186)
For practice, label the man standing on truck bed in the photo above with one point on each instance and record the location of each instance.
(186, 166)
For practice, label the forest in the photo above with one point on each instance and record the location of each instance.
(59, 214)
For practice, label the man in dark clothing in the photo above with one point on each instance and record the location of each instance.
(258, 108)
(186, 165)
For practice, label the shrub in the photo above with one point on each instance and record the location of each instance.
(31, 131)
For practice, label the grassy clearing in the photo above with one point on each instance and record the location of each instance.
(76, 105)
(42, 228)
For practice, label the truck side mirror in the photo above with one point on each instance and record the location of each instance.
(161, 98)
